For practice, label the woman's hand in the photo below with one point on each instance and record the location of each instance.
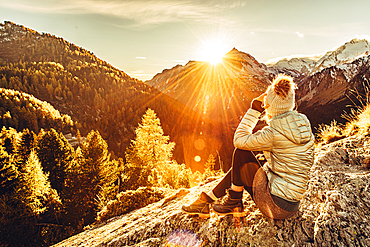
(257, 103)
(261, 97)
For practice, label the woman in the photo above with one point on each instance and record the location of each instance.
(288, 145)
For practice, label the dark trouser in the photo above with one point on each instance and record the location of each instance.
(242, 160)
(244, 168)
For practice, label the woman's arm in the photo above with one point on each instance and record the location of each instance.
(243, 137)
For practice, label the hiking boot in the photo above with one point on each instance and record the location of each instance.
(199, 207)
(232, 205)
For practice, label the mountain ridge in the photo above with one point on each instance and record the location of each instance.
(221, 92)
(196, 81)
(346, 53)
(328, 78)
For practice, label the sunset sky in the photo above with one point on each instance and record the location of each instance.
(143, 37)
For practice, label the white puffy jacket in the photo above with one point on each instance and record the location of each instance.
(288, 145)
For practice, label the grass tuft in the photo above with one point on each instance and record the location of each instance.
(329, 133)
(358, 120)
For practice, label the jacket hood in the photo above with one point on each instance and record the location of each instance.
(294, 126)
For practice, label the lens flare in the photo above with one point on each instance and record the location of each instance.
(197, 158)
(184, 238)
(199, 144)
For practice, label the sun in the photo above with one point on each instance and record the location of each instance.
(213, 51)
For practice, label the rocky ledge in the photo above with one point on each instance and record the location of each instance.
(334, 212)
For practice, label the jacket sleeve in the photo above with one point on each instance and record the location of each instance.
(244, 139)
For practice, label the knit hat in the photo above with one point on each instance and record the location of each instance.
(280, 95)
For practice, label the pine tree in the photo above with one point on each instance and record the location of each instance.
(8, 172)
(9, 138)
(149, 154)
(209, 168)
(26, 144)
(21, 208)
(92, 178)
(3, 82)
(34, 187)
(55, 154)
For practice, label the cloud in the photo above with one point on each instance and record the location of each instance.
(300, 35)
(140, 74)
(141, 58)
(137, 72)
(140, 11)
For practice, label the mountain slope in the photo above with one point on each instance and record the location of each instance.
(294, 66)
(327, 94)
(346, 53)
(95, 94)
(219, 92)
(21, 110)
(334, 211)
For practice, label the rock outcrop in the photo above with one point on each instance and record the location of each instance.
(334, 212)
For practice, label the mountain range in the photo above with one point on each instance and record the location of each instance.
(344, 54)
(199, 104)
(325, 83)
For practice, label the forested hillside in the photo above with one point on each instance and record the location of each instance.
(129, 135)
(95, 94)
(21, 110)
(50, 190)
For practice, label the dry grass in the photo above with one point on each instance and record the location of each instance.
(359, 124)
(329, 133)
(359, 117)
(358, 120)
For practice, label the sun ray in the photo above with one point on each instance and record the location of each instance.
(219, 94)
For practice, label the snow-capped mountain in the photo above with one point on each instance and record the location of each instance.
(327, 94)
(324, 83)
(346, 53)
(294, 66)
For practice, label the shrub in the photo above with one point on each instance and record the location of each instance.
(196, 178)
(130, 200)
(175, 176)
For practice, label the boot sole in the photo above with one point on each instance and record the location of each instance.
(235, 214)
(202, 215)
